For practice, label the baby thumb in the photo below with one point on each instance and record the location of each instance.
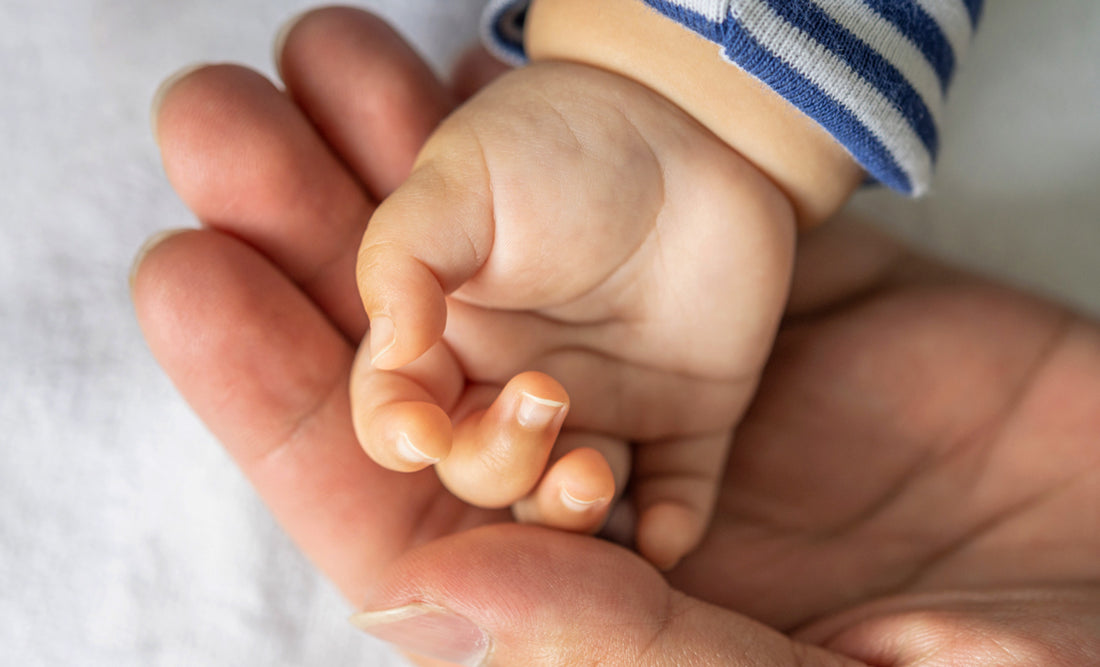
(524, 595)
(424, 241)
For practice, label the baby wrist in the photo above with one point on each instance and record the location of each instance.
(815, 172)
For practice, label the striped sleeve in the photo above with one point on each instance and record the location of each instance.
(873, 73)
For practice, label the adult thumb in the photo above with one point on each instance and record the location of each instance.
(525, 595)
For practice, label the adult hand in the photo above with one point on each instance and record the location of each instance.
(916, 482)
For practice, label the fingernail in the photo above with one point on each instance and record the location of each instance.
(576, 504)
(536, 413)
(162, 91)
(411, 453)
(152, 242)
(428, 631)
(281, 35)
(382, 337)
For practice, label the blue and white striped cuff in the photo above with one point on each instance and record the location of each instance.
(873, 73)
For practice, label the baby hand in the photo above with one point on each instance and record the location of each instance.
(568, 225)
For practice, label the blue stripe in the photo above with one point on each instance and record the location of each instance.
(506, 39)
(922, 30)
(864, 61)
(975, 9)
(697, 22)
(751, 56)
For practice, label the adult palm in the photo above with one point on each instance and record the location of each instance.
(916, 482)
(924, 445)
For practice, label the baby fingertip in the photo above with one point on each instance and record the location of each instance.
(383, 336)
(408, 451)
(667, 532)
(536, 413)
(577, 502)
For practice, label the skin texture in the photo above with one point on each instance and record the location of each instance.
(915, 483)
(815, 172)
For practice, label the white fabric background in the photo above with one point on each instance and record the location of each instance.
(126, 536)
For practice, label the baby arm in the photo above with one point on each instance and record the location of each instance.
(815, 172)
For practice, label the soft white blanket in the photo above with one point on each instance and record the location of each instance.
(126, 536)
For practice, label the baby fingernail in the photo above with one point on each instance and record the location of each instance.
(428, 631)
(536, 413)
(382, 337)
(411, 453)
(577, 504)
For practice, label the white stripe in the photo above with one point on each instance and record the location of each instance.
(882, 36)
(713, 10)
(494, 6)
(954, 20)
(825, 70)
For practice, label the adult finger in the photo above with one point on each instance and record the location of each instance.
(475, 69)
(267, 372)
(372, 98)
(1030, 625)
(520, 595)
(246, 161)
(839, 261)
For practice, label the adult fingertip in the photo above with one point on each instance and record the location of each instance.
(281, 35)
(474, 69)
(146, 248)
(162, 91)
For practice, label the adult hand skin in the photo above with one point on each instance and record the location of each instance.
(916, 483)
